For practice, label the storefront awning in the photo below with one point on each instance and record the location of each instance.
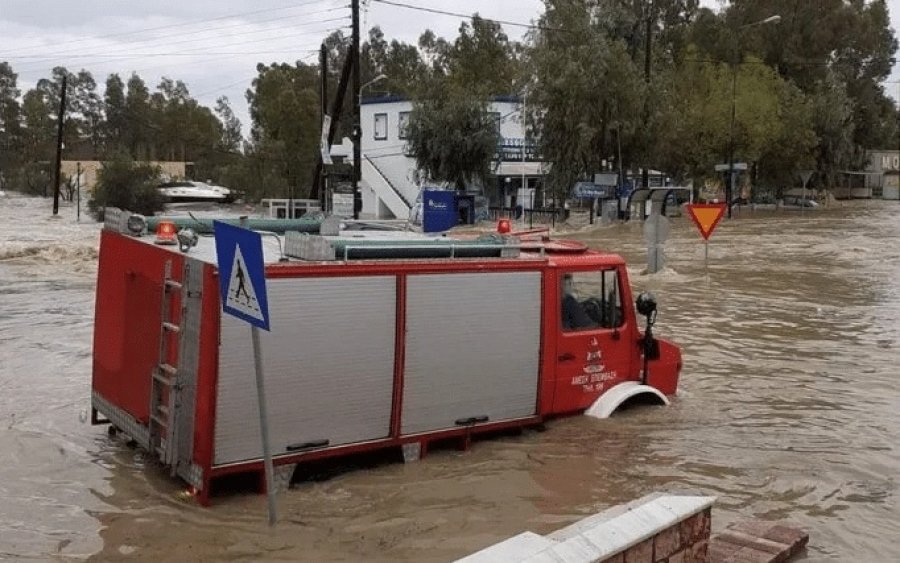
(511, 168)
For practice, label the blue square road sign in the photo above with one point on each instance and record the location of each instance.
(242, 274)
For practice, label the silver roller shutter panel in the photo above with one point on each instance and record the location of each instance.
(328, 365)
(472, 348)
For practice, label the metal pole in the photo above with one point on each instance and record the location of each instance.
(524, 181)
(264, 426)
(263, 416)
(646, 173)
(531, 217)
(60, 125)
(357, 130)
(323, 100)
(621, 181)
(78, 191)
(728, 184)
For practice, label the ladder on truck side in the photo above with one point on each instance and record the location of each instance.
(164, 383)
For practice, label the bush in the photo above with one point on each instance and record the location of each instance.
(127, 185)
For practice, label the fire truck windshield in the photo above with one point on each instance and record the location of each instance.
(591, 300)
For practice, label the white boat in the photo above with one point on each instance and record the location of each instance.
(192, 190)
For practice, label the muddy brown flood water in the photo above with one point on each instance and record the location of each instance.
(789, 408)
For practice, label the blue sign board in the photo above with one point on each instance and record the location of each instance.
(590, 190)
(438, 210)
(242, 274)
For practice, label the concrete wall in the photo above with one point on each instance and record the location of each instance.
(653, 529)
(90, 169)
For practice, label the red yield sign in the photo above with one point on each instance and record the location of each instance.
(706, 216)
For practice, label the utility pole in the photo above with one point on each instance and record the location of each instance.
(645, 177)
(60, 125)
(357, 129)
(323, 101)
(78, 191)
(729, 182)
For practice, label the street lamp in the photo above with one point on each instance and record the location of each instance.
(378, 78)
(357, 148)
(729, 185)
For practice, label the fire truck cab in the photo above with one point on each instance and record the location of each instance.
(377, 340)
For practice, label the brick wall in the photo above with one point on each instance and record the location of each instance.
(685, 542)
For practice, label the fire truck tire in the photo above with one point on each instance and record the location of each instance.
(609, 402)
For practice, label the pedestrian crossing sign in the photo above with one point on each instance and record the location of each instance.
(242, 276)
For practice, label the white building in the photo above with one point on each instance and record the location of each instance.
(882, 176)
(390, 183)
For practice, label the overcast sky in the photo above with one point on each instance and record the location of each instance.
(214, 46)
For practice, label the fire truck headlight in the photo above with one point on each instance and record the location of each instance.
(137, 224)
(186, 239)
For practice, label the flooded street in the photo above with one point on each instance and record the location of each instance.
(789, 407)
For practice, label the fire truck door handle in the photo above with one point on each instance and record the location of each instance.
(307, 445)
(567, 357)
(471, 420)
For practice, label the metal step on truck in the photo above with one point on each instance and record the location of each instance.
(378, 339)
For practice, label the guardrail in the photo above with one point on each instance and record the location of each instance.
(539, 215)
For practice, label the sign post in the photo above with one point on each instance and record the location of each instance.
(706, 216)
(242, 282)
(656, 232)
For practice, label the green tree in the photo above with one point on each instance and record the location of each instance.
(231, 126)
(39, 132)
(124, 184)
(772, 121)
(482, 59)
(832, 119)
(284, 139)
(452, 136)
(584, 85)
(87, 106)
(116, 124)
(137, 115)
(188, 131)
(829, 43)
(400, 63)
(10, 124)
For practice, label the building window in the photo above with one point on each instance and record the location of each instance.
(381, 125)
(402, 122)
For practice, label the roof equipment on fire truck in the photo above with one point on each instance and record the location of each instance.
(165, 233)
(313, 247)
(203, 226)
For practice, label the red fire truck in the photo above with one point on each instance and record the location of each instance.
(377, 340)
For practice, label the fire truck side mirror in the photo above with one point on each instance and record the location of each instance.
(646, 304)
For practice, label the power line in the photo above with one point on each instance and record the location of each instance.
(309, 52)
(149, 41)
(225, 87)
(185, 24)
(200, 50)
(465, 16)
(181, 54)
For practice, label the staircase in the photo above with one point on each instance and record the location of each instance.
(384, 189)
